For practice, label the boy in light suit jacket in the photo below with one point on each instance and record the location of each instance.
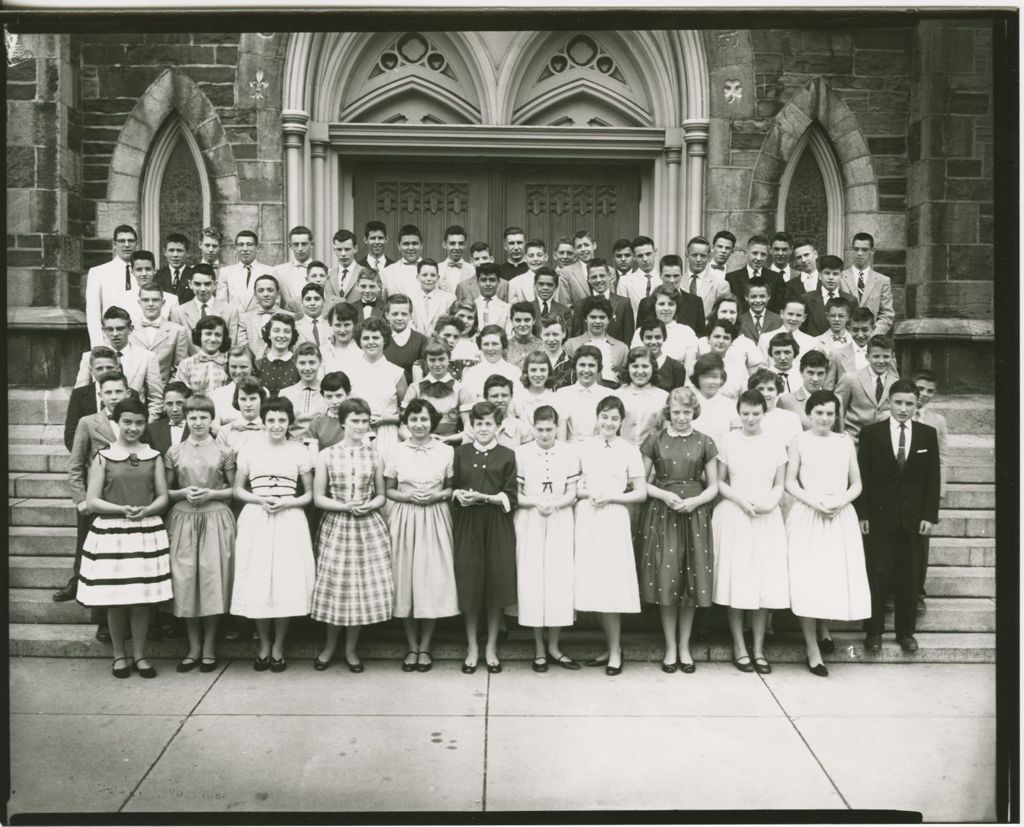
(166, 340)
(865, 394)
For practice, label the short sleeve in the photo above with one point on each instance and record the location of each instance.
(779, 454)
(410, 394)
(649, 447)
(449, 463)
(520, 464)
(465, 398)
(391, 463)
(634, 463)
(242, 461)
(303, 459)
(572, 463)
(171, 460)
(228, 459)
(723, 448)
(709, 450)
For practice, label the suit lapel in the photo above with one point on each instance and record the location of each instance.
(103, 428)
(867, 381)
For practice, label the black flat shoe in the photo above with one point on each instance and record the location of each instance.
(820, 670)
(567, 663)
(424, 667)
(69, 592)
(827, 646)
(144, 671)
(121, 671)
(743, 667)
(668, 668)
(613, 670)
(103, 634)
(494, 668)
(762, 667)
(261, 664)
(186, 665)
(278, 664)
(321, 665)
(410, 667)
(540, 664)
(354, 667)
(207, 664)
(596, 661)
(468, 668)
(687, 668)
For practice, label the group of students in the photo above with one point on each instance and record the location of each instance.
(499, 465)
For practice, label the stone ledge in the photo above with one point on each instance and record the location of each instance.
(982, 330)
(45, 318)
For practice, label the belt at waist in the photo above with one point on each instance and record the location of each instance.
(689, 488)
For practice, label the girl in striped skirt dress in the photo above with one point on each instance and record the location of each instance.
(354, 585)
(126, 559)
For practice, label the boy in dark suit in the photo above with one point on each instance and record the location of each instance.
(689, 308)
(369, 303)
(83, 400)
(545, 286)
(621, 324)
(830, 272)
(174, 278)
(897, 509)
(757, 319)
(171, 429)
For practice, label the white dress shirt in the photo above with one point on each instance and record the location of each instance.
(634, 286)
(679, 340)
(399, 277)
(449, 274)
(176, 431)
(809, 281)
(491, 311)
(292, 277)
(105, 288)
(305, 327)
(240, 283)
(427, 308)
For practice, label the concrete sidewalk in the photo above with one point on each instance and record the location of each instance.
(913, 737)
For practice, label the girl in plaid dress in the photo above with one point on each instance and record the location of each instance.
(353, 584)
(207, 370)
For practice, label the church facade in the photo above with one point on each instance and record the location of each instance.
(669, 133)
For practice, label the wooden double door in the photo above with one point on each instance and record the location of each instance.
(547, 200)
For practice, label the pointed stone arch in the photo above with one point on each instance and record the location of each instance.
(172, 92)
(817, 103)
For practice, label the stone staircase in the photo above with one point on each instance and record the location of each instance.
(958, 626)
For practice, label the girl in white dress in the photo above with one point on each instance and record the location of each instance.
(241, 363)
(606, 579)
(717, 411)
(644, 402)
(751, 571)
(534, 388)
(493, 343)
(723, 340)
(247, 403)
(548, 473)
(380, 383)
(274, 568)
(827, 574)
(779, 423)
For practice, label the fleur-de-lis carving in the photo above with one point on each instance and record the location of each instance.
(258, 85)
(733, 91)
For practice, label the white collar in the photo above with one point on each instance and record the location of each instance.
(671, 431)
(484, 449)
(401, 338)
(271, 357)
(894, 426)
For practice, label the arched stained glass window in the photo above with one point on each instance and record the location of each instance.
(811, 196)
(181, 196)
(807, 203)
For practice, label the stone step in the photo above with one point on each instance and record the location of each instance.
(957, 581)
(45, 485)
(41, 512)
(37, 458)
(955, 522)
(944, 614)
(962, 551)
(967, 414)
(39, 572)
(29, 406)
(384, 648)
(35, 434)
(39, 541)
(970, 495)
(972, 448)
(962, 471)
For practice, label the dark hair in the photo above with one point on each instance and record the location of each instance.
(552, 319)
(546, 271)
(284, 318)
(248, 234)
(813, 359)
(449, 321)
(300, 230)
(727, 326)
(758, 281)
(249, 385)
(142, 255)
(781, 235)
(418, 405)
(751, 398)
(310, 287)
(278, 404)
(177, 387)
(522, 307)
(115, 312)
(880, 341)
(697, 239)
(839, 301)
(479, 247)
(199, 402)
(398, 298)
(783, 340)
(592, 303)
(596, 262)
(545, 413)
(482, 410)
(668, 292)
(590, 352)
(707, 363)
(862, 314)
(580, 234)
(267, 277)
(453, 229)
(344, 312)
(903, 386)
(212, 322)
(796, 300)
(128, 405)
(497, 380)
(758, 239)
(367, 274)
(870, 239)
(375, 325)
(101, 352)
(308, 349)
(436, 346)
(536, 357)
(336, 380)
(924, 375)
(493, 330)
(513, 230)
(425, 262)
(410, 229)
(641, 352)
(150, 287)
(829, 263)
(203, 269)
(728, 236)
(639, 241)
(537, 243)
(124, 228)
(653, 323)
(488, 268)
(375, 226)
(671, 260)
(111, 376)
(822, 397)
(611, 403)
(353, 405)
(803, 242)
(347, 235)
(764, 375)
(725, 298)
(214, 233)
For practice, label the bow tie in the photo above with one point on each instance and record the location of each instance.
(841, 339)
(436, 388)
(253, 426)
(217, 358)
(150, 324)
(717, 266)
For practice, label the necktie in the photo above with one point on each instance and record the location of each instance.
(757, 325)
(248, 274)
(376, 265)
(647, 290)
(545, 309)
(127, 277)
(306, 397)
(831, 294)
(901, 453)
(878, 389)
(785, 378)
(175, 273)
(487, 311)
(693, 283)
(860, 285)
(120, 353)
(202, 311)
(316, 334)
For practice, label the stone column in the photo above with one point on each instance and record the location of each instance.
(695, 135)
(673, 163)
(322, 231)
(294, 123)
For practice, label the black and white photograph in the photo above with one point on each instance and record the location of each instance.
(525, 413)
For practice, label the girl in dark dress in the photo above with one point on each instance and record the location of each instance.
(484, 535)
(277, 367)
(675, 532)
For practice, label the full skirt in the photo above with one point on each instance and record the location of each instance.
(422, 560)
(676, 558)
(751, 559)
(202, 560)
(274, 568)
(827, 572)
(353, 580)
(125, 563)
(545, 568)
(605, 577)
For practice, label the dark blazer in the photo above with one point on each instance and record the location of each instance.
(738, 285)
(387, 260)
(406, 357)
(772, 321)
(555, 309)
(894, 500)
(158, 435)
(671, 375)
(777, 300)
(508, 271)
(184, 291)
(81, 403)
(689, 311)
(379, 308)
(816, 322)
(620, 326)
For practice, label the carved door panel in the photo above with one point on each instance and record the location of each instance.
(550, 201)
(430, 195)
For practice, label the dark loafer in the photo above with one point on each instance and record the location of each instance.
(121, 671)
(687, 668)
(668, 668)
(410, 667)
(103, 634)
(186, 665)
(278, 664)
(827, 646)
(468, 668)
(424, 667)
(613, 670)
(144, 671)
(207, 664)
(321, 665)
(820, 670)
(762, 667)
(494, 668)
(567, 663)
(596, 662)
(743, 667)
(908, 643)
(69, 592)
(540, 664)
(261, 664)
(354, 667)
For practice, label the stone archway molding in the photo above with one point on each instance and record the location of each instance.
(172, 91)
(818, 103)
